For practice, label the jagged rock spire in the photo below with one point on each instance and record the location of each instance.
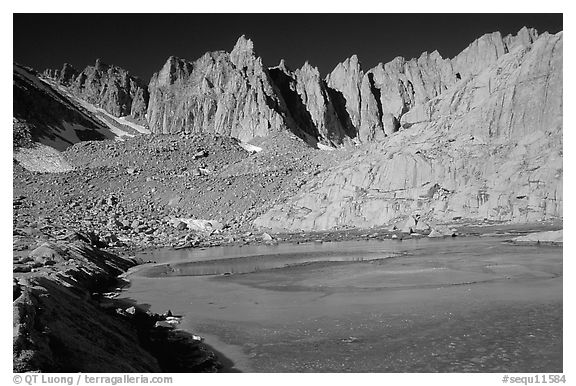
(243, 52)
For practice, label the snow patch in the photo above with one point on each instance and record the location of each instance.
(103, 115)
(324, 147)
(250, 148)
(542, 237)
(133, 125)
(67, 134)
(99, 112)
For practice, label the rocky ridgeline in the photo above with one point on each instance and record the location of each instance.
(43, 115)
(109, 87)
(485, 146)
(227, 94)
(372, 103)
(233, 94)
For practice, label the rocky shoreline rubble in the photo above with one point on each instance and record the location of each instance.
(65, 322)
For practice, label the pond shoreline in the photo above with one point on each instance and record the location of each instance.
(205, 309)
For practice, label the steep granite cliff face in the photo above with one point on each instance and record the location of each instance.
(234, 94)
(228, 94)
(374, 102)
(487, 49)
(344, 84)
(309, 103)
(109, 87)
(484, 144)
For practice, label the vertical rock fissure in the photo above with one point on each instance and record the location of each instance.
(339, 103)
(294, 103)
(377, 95)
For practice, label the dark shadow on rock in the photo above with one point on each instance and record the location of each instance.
(177, 351)
(47, 113)
(227, 363)
(339, 102)
(294, 103)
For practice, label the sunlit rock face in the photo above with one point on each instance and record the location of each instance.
(106, 86)
(467, 141)
(224, 93)
(373, 102)
(234, 94)
(344, 84)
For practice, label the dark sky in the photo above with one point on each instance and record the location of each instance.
(141, 43)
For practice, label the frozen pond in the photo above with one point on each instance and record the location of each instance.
(449, 305)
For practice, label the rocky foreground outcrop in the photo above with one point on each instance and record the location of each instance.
(57, 327)
(64, 323)
(485, 145)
